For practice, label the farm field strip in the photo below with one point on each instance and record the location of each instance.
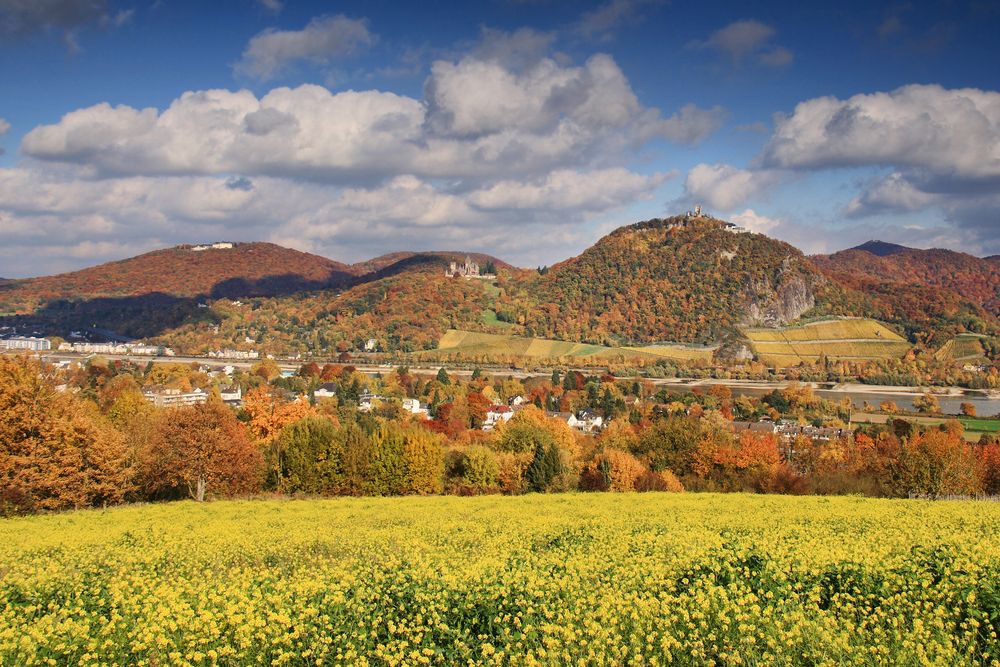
(850, 339)
(864, 329)
(471, 342)
(596, 579)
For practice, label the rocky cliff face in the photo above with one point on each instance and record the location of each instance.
(775, 303)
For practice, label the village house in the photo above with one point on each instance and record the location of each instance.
(788, 430)
(223, 245)
(326, 390)
(368, 400)
(585, 421)
(234, 354)
(117, 348)
(497, 414)
(164, 398)
(588, 421)
(232, 395)
(413, 406)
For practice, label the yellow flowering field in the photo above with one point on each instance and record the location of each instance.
(578, 579)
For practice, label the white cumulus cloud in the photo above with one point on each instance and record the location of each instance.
(948, 131)
(724, 187)
(755, 222)
(479, 120)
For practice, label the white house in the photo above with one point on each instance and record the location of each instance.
(326, 390)
(588, 421)
(232, 395)
(412, 405)
(368, 400)
(497, 414)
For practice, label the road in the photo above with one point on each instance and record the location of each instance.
(371, 369)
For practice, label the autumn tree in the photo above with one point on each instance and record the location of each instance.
(56, 450)
(968, 409)
(268, 412)
(480, 468)
(670, 444)
(619, 470)
(200, 450)
(478, 405)
(267, 369)
(927, 403)
(888, 407)
(936, 463)
(424, 455)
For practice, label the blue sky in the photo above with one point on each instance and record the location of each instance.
(522, 128)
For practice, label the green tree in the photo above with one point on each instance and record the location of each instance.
(388, 460)
(481, 469)
(545, 466)
(305, 458)
(670, 444)
(442, 376)
(523, 437)
(355, 449)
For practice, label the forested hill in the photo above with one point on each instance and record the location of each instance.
(394, 262)
(953, 275)
(681, 278)
(246, 269)
(686, 278)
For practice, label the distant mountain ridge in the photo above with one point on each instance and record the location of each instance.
(689, 278)
(961, 277)
(881, 248)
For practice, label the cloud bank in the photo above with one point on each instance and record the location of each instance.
(504, 154)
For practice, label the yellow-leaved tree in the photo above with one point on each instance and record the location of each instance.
(424, 455)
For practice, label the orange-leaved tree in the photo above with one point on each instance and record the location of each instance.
(201, 449)
(56, 450)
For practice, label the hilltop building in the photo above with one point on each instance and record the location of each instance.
(222, 245)
(698, 218)
(468, 269)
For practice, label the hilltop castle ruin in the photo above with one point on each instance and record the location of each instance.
(468, 269)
